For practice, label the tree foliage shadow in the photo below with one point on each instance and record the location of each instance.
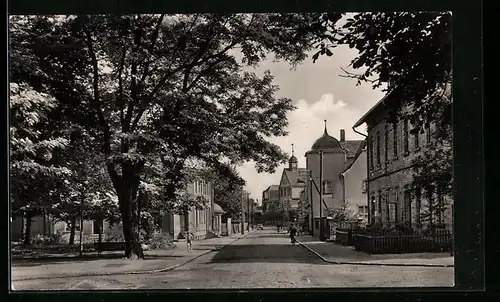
(275, 253)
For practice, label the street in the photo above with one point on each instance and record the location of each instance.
(263, 259)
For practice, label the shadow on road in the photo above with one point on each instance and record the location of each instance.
(62, 259)
(275, 253)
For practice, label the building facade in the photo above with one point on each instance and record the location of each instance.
(337, 155)
(197, 221)
(391, 151)
(271, 198)
(353, 182)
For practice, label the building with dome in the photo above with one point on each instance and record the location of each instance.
(337, 156)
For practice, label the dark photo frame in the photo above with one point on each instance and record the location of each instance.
(469, 205)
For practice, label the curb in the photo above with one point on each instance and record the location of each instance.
(144, 272)
(371, 263)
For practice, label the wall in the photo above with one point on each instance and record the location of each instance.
(353, 180)
(333, 165)
(389, 178)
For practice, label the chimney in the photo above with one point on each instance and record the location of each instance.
(342, 135)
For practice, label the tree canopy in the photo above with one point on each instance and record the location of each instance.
(165, 89)
(409, 55)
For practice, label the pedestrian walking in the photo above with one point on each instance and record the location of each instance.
(293, 233)
(189, 241)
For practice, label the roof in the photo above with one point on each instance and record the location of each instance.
(218, 209)
(352, 147)
(293, 159)
(272, 188)
(380, 104)
(326, 142)
(295, 177)
(360, 150)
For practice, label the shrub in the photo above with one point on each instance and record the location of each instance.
(160, 240)
(47, 239)
(112, 234)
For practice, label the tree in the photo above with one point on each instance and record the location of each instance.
(31, 152)
(170, 87)
(410, 54)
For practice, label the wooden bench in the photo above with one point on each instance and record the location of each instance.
(109, 246)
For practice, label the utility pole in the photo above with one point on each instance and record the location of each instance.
(312, 208)
(253, 218)
(321, 194)
(242, 214)
(248, 210)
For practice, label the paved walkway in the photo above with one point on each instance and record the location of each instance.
(112, 264)
(336, 253)
(263, 259)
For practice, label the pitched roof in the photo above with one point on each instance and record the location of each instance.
(351, 147)
(356, 155)
(295, 177)
(273, 188)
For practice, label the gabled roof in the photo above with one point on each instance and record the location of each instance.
(272, 188)
(360, 150)
(383, 103)
(351, 147)
(295, 177)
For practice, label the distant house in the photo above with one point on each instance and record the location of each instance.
(293, 182)
(391, 151)
(200, 222)
(271, 198)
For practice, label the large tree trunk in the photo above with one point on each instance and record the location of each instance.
(128, 208)
(72, 230)
(27, 233)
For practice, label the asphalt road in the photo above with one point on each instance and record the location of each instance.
(263, 259)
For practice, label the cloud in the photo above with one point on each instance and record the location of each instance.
(306, 124)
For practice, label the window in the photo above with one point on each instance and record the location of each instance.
(428, 133)
(406, 138)
(378, 210)
(364, 186)
(386, 145)
(407, 207)
(202, 216)
(97, 226)
(77, 226)
(327, 187)
(391, 212)
(395, 140)
(378, 148)
(416, 137)
(440, 208)
(371, 151)
(418, 201)
(430, 200)
(363, 211)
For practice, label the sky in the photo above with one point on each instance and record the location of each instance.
(319, 93)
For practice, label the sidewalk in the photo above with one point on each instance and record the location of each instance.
(337, 254)
(109, 264)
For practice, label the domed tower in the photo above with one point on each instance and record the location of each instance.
(334, 160)
(293, 162)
